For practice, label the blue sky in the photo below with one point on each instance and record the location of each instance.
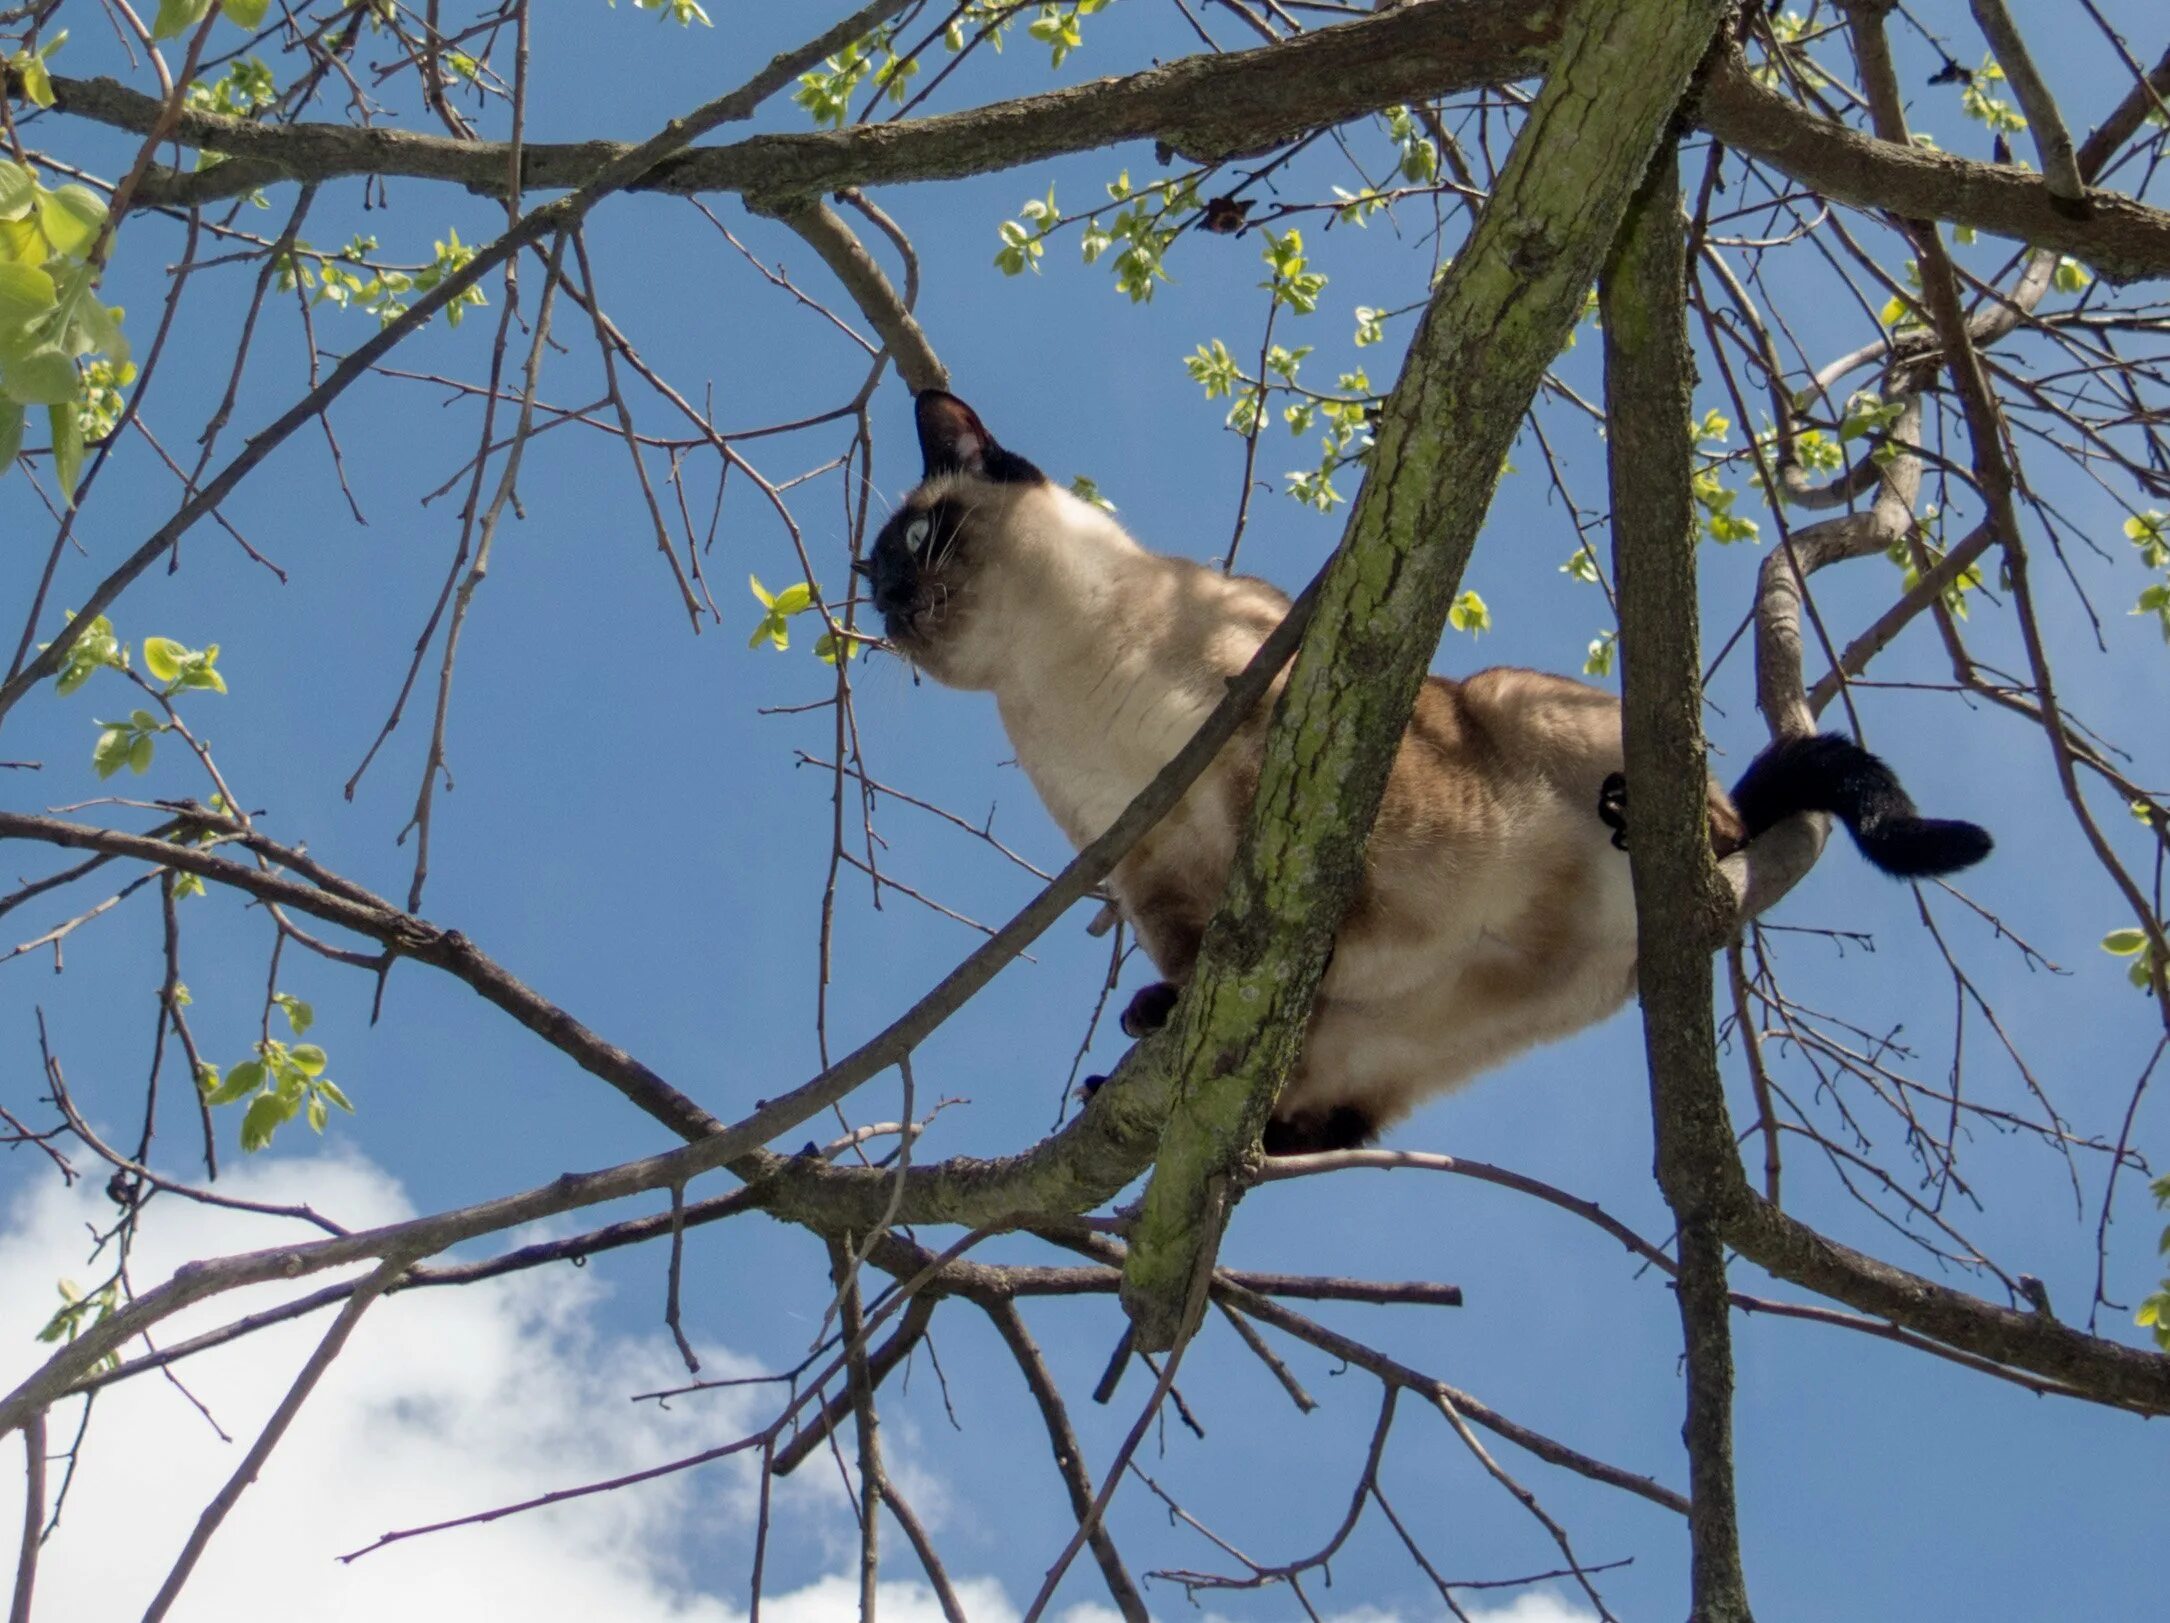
(633, 838)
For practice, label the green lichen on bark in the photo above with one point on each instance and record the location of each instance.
(1495, 323)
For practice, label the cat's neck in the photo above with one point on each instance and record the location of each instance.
(1071, 591)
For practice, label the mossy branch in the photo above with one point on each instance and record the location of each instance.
(1497, 321)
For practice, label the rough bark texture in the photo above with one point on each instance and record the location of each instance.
(1495, 324)
(1649, 382)
(1199, 108)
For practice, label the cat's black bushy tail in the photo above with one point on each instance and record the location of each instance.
(1827, 773)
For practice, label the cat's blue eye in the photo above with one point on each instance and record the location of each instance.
(915, 536)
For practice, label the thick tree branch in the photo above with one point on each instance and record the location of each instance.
(1495, 324)
(1201, 107)
(846, 256)
(2052, 143)
(2123, 239)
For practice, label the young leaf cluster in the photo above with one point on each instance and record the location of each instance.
(51, 319)
(1711, 493)
(177, 17)
(283, 1080)
(174, 668)
(244, 90)
(77, 1313)
(2154, 1312)
(1978, 100)
(1144, 227)
(2132, 943)
(1910, 551)
(777, 610)
(2150, 532)
(1419, 154)
(1292, 283)
(1058, 27)
(99, 648)
(826, 92)
(684, 13)
(29, 68)
(381, 293)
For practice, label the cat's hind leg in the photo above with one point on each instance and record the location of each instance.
(1612, 807)
(1149, 1010)
(1727, 833)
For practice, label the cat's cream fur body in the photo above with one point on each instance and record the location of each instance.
(1495, 914)
(1495, 910)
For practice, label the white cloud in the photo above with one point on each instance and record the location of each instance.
(1538, 1606)
(444, 1403)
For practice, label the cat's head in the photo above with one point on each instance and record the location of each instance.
(961, 553)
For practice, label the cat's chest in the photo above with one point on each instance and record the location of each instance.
(1090, 751)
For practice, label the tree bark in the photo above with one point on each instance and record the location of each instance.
(1497, 321)
(1649, 383)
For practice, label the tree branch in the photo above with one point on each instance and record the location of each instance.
(1495, 324)
(841, 250)
(1649, 383)
(1203, 107)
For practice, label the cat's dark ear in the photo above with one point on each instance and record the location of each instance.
(952, 439)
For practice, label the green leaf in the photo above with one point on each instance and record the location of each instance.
(248, 13)
(330, 1090)
(795, 599)
(71, 219)
(18, 189)
(26, 292)
(243, 1080)
(317, 1113)
(139, 754)
(67, 435)
(308, 1058)
(264, 1118)
(97, 331)
(37, 82)
(11, 433)
(2124, 943)
(40, 376)
(1470, 614)
(110, 753)
(1086, 490)
(178, 17)
(162, 657)
(298, 1014)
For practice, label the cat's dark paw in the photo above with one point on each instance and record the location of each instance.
(1612, 808)
(1150, 1009)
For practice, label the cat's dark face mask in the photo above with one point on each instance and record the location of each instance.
(917, 559)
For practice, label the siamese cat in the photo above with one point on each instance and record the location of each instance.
(1495, 912)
